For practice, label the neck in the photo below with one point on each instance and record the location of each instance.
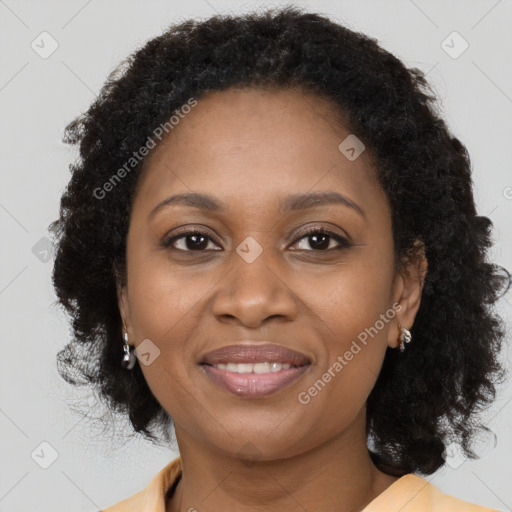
(339, 475)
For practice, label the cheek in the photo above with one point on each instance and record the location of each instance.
(354, 313)
(162, 310)
(352, 298)
(162, 295)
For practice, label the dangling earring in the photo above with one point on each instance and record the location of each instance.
(405, 337)
(129, 358)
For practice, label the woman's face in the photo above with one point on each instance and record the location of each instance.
(255, 277)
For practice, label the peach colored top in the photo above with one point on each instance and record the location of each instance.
(410, 493)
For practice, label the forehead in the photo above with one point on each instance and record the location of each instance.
(251, 145)
(246, 118)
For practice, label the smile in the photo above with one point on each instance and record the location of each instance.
(253, 367)
(254, 370)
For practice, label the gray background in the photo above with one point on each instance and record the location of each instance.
(39, 96)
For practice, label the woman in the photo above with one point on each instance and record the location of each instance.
(270, 242)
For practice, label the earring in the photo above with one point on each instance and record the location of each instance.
(129, 358)
(405, 337)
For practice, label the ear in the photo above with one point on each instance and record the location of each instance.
(123, 303)
(407, 291)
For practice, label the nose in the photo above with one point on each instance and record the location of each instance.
(251, 293)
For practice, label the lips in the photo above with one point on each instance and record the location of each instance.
(264, 353)
(254, 371)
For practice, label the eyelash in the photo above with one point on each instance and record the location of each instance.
(343, 242)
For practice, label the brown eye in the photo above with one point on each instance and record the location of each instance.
(194, 240)
(320, 240)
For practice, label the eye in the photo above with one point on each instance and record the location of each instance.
(198, 240)
(321, 238)
(194, 240)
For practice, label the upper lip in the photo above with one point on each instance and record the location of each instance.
(252, 353)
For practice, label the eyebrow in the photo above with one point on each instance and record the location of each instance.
(289, 204)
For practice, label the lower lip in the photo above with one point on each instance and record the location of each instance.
(255, 384)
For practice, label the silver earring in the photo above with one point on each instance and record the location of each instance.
(405, 337)
(129, 358)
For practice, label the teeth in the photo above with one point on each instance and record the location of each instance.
(243, 368)
(253, 367)
(261, 367)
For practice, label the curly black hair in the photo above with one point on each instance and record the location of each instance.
(423, 398)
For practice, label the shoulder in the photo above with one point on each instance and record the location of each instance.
(446, 503)
(412, 493)
(152, 497)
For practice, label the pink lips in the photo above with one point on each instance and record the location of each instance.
(255, 384)
(254, 354)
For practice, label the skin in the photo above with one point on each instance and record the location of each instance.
(251, 148)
